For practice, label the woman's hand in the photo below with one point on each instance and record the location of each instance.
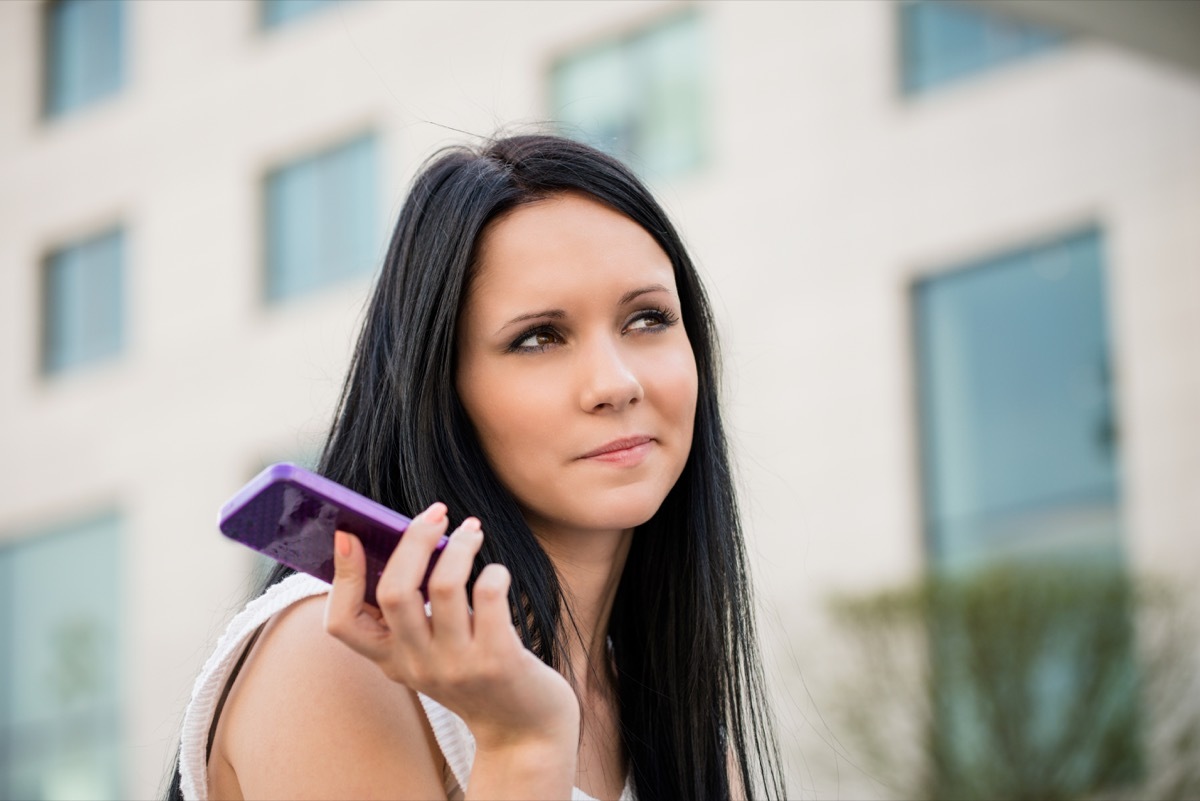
(468, 657)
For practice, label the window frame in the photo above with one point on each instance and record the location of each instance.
(265, 25)
(629, 43)
(111, 521)
(269, 296)
(51, 111)
(957, 631)
(48, 365)
(910, 89)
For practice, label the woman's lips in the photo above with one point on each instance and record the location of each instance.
(627, 451)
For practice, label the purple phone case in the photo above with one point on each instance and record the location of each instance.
(289, 514)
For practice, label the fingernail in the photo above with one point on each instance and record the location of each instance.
(437, 512)
(468, 529)
(342, 543)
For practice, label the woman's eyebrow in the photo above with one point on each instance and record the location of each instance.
(645, 290)
(553, 314)
(558, 314)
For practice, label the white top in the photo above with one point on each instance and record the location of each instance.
(453, 737)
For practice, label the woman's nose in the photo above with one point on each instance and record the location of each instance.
(608, 380)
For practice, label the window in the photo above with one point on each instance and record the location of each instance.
(84, 44)
(60, 637)
(944, 41)
(1031, 634)
(82, 298)
(639, 98)
(322, 219)
(1017, 408)
(275, 13)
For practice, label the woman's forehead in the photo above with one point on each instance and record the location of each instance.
(564, 246)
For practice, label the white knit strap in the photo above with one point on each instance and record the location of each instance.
(206, 693)
(458, 747)
(453, 737)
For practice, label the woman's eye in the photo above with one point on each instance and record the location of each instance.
(535, 340)
(652, 319)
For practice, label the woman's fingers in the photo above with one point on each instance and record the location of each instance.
(493, 616)
(423, 650)
(406, 567)
(347, 617)
(398, 590)
(447, 586)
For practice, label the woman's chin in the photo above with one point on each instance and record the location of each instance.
(611, 520)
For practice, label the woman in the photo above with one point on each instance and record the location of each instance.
(537, 372)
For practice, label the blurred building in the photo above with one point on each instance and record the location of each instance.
(954, 257)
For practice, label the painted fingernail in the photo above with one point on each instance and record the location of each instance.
(342, 543)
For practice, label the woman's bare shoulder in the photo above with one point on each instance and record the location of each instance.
(309, 718)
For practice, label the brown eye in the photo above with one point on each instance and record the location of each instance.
(652, 320)
(645, 322)
(536, 340)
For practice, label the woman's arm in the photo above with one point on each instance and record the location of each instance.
(309, 718)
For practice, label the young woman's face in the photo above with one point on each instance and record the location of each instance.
(574, 366)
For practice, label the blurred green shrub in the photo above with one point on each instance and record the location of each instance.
(1022, 682)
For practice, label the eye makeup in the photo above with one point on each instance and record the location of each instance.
(661, 318)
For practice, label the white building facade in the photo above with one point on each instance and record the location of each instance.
(167, 330)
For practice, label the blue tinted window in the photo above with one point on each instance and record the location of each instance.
(84, 59)
(60, 676)
(83, 303)
(281, 12)
(639, 98)
(1016, 404)
(943, 41)
(322, 219)
(1022, 471)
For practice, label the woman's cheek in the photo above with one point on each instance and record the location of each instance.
(522, 433)
(675, 382)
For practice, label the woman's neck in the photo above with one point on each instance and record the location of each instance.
(589, 567)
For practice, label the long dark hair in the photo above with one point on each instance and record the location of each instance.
(694, 718)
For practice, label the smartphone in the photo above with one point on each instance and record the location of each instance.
(290, 514)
